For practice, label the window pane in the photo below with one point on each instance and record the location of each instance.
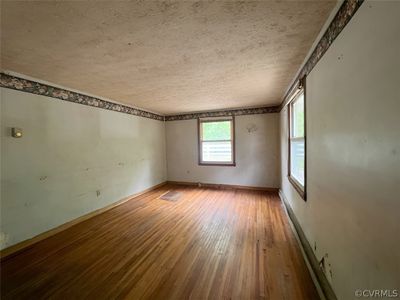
(216, 130)
(297, 160)
(217, 151)
(298, 116)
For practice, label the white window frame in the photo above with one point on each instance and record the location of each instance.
(200, 141)
(301, 188)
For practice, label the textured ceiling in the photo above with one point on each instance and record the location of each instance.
(167, 57)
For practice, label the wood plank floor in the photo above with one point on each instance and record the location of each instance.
(210, 244)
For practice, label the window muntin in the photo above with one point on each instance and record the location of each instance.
(216, 141)
(297, 140)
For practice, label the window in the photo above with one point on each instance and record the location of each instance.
(216, 141)
(297, 143)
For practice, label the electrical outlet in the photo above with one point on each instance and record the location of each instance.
(98, 193)
(4, 238)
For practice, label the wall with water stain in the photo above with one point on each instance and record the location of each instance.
(351, 216)
(71, 160)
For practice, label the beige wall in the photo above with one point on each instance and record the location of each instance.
(257, 153)
(353, 154)
(67, 154)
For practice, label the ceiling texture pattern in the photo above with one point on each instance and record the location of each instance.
(166, 57)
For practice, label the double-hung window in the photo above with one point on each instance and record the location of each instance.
(216, 141)
(297, 159)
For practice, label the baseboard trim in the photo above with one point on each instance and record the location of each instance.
(319, 275)
(24, 245)
(225, 186)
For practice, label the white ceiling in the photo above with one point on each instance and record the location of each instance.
(167, 57)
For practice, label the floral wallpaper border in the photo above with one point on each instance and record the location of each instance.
(342, 17)
(24, 85)
(224, 113)
(29, 86)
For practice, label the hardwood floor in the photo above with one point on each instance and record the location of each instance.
(210, 244)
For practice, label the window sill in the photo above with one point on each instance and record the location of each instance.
(217, 164)
(298, 187)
